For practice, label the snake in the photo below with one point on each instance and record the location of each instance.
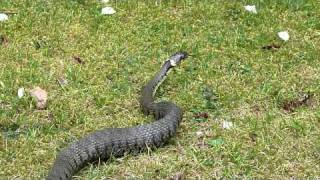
(116, 142)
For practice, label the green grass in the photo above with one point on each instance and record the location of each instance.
(228, 76)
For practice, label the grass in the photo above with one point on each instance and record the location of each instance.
(228, 76)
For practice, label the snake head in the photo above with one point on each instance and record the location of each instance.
(177, 58)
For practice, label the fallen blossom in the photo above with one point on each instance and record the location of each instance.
(199, 133)
(226, 124)
(284, 35)
(20, 92)
(251, 8)
(3, 17)
(40, 96)
(107, 11)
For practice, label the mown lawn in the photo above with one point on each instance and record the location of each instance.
(239, 72)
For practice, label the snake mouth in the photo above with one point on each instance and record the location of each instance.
(178, 57)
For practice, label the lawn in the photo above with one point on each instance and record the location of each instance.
(250, 99)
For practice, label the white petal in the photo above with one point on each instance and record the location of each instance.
(3, 17)
(107, 10)
(104, 1)
(199, 133)
(226, 124)
(284, 35)
(251, 8)
(20, 92)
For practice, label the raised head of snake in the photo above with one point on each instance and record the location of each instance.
(109, 142)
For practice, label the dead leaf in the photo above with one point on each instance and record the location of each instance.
(49, 116)
(292, 105)
(253, 136)
(62, 81)
(271, 47)
(37, 45)
(202, 145)
(40, 96)
(256, 108)
(178, 176)
(204, 115)
(77, 59)
(4, 40)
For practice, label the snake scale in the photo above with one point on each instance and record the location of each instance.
(103, 144)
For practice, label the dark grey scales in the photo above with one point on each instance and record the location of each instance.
(116, 141)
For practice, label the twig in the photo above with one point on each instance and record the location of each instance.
(8, 11)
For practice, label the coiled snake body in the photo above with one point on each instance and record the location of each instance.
(116, 141)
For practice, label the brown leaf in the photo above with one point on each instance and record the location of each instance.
(49, 116)
(292, 105)
(4, 105)
(77, 59)
(253, 136)
(271, 47)
(40, 96)
(4, 40)
(202, 145)
(62, 81)
(204, 115)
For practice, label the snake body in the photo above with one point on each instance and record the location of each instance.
(109, 142)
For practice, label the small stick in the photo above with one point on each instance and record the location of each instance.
(6, 11)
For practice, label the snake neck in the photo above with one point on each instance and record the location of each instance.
(148, 91)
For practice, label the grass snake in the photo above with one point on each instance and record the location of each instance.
(103, 144)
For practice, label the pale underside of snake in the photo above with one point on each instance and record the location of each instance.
(115, 142)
